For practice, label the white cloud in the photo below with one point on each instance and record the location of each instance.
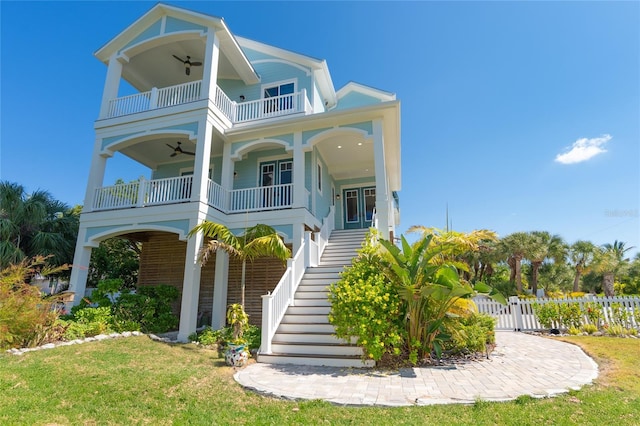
(583, 149)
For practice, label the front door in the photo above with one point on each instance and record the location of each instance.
(358, 207)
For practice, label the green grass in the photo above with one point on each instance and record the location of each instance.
(139, 381)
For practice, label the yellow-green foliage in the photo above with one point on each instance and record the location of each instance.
(364, 305)
(26, 318)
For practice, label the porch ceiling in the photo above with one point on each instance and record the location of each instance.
(153, 153)
(142, 70)
(348, 156)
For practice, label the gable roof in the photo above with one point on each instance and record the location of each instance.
(318, 67)
(228, 42)
(352, 87)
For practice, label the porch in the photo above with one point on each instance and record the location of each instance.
(175, 190)
(156, 98)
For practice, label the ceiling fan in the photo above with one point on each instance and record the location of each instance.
(188, 64)
(178, 150)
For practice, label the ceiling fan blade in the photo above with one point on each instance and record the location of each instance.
(187, 71)
(188, 152)
(170, 147)
(178, 58)
(196, 64)
(174, 154)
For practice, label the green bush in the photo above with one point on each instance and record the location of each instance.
(471, 333)
(571, 315)
(150, 307)
(364, 305)
(88, 322)
(548, 314)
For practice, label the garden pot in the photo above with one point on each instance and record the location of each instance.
(236, 355)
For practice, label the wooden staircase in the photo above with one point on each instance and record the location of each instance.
(305, 336)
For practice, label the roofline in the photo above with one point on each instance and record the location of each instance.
(319, 67)
(353, 86)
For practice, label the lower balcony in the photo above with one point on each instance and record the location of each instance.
(178, 190)
(235, 112)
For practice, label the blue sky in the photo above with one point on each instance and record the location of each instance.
(518, 116)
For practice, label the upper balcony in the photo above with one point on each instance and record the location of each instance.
(235, 112)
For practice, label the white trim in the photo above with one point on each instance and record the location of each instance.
(245, 149)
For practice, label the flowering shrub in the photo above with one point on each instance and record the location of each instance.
(364, 305)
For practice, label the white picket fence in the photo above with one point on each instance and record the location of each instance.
(519, 314)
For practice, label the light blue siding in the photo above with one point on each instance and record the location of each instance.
(152, 31)
(323, 199)
(173, 25)
(181, 225)
(306, 135)
(113, 139)
(355, 99)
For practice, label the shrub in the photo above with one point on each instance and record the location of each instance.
(88, 322)
(364, 305)
(571, 315)
(593, 312)
(471, 333)
(574, 331)
(149, 307)
(589, 328)
(26, 318)
(548, 314)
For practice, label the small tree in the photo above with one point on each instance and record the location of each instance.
(257, 241)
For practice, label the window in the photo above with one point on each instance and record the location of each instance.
(320, 178)
(278, 97)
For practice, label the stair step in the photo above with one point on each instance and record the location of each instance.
(305, 319)
(312, 302)
(316, 349)
(325, 361)
(313, 338)
(305, 328)
(313, 295)
(308, 310)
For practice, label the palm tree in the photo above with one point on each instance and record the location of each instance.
(516, 247)
(35, 225)
(257, 241)
(581, 255)
(544, 246)
(610, 261)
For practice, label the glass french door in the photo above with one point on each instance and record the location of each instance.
(273, 193)
(358, 207)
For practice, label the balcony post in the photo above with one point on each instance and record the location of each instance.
(111, 85)
(210, 65)
(202, 160)
(299, 192)
(142, 190)
(382, 189)
(153, 100)
(190, 285)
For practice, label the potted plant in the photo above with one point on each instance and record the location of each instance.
(236, 352)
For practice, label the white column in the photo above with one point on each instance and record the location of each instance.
(202, 160)
(111, 85)
(210, 70)
(382, 193)
(299, 191)
(226, 177)
(190, 285)
(297, 238)
(96, 175)
(220, 286)
(80, 267)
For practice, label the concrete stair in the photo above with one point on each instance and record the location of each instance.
(305, 336)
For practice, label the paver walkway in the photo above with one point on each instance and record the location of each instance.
(521, 364)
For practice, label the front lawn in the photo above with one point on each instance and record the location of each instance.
(139, 381)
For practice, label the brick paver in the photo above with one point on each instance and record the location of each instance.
(521, 364)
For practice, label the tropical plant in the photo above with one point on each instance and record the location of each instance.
(35, 224)
(581, 255)
(365, 305)
(610, 261)
(26, 317)
(115, 258)
(543, 246)
(238, 322)
(257, 241)
(428, 289)
(515, 248)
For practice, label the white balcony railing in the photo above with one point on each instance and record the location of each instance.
(143, 193)
(155, 98)
(178, 190)
(259, 109)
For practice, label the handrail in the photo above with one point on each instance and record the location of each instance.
(275, 304)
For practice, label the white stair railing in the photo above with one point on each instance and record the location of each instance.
(275, 304)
